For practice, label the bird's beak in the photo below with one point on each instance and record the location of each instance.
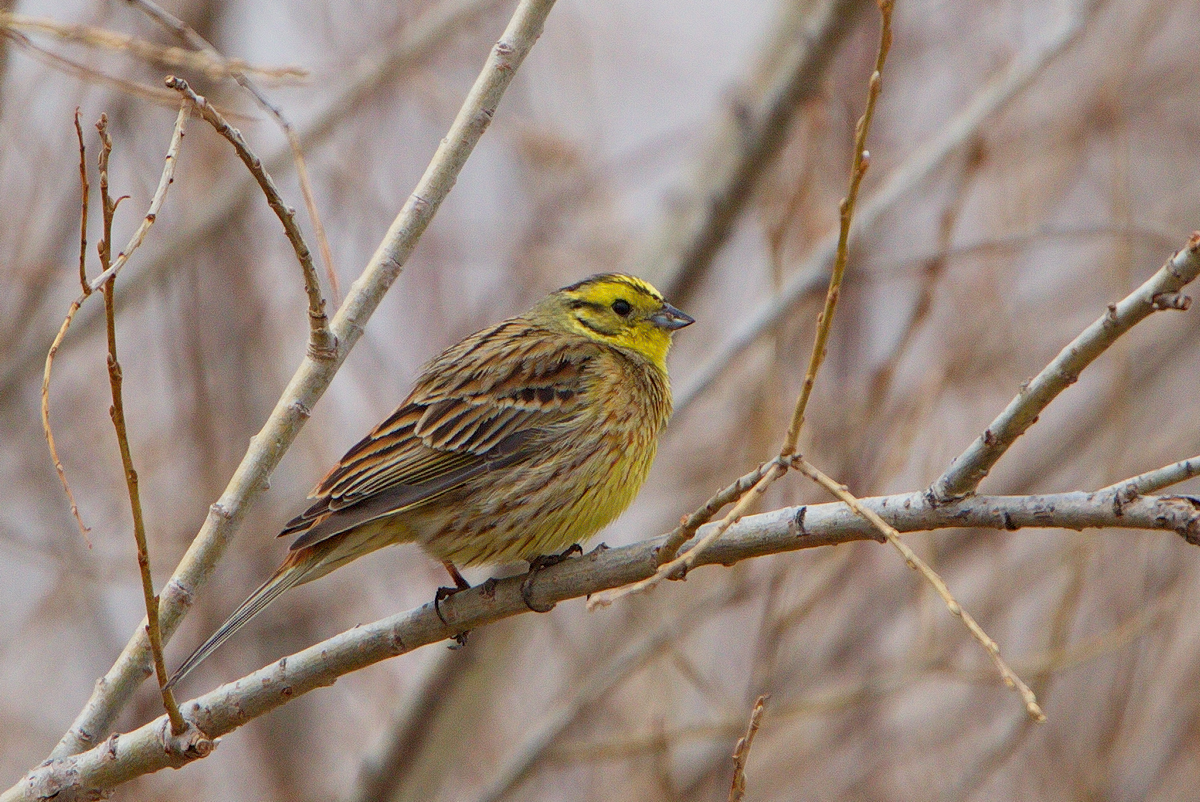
(670, 318)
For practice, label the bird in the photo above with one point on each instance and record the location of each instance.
(522, 439)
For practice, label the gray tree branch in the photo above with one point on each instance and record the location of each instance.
(1160, 291)
(151, 748)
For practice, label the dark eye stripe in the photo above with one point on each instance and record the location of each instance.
(589, 325)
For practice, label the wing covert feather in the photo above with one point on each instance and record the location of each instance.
(477, 406)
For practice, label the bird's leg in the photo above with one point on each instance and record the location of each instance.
(460, 585)
(538, 564)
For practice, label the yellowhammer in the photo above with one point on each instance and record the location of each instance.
(516, 443)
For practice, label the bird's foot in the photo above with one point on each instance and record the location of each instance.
(460, 584)
(538, 564)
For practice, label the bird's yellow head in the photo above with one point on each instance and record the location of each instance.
(620, 310)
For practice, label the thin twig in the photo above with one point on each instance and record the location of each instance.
(117, 412)
(741, 752)
(777, 468)
(310, 200)
(58, 466)
(1160, 291)
(190, 35)
(690, 523)
(178, 727)
(160, 194)
(312, 377)
(919, 565)
(858, 169)
(671, 566)
(678, 567)
(212, 67)
(108, 271)
(62, 332)
(322, 345)
(83, 207)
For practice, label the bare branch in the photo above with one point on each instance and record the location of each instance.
(1158, 292)
(858, 169)
(105, 248)
(212, 67)
(678, 567)
(321, 343)
(83, 207)
(156, 202)
(228, 707)
(188, 34)
(669, 567)
(1157, 479)
(726, 495)
(117, 410)
(62, 332)
(769, 472)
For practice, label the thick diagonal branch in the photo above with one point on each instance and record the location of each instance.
(1159, 292)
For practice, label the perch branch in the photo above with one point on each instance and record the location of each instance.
(230, 706)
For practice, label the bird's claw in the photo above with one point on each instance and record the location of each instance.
(538, 564)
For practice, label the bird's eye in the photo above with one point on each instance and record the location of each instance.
(622, 307)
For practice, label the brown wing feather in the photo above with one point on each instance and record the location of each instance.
(470, 412)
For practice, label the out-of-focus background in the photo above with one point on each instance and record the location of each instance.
(968, 282)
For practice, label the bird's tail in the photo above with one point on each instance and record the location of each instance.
(291, 573)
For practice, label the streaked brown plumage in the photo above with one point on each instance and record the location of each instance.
(517, 442)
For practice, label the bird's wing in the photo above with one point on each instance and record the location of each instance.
(476, 408)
